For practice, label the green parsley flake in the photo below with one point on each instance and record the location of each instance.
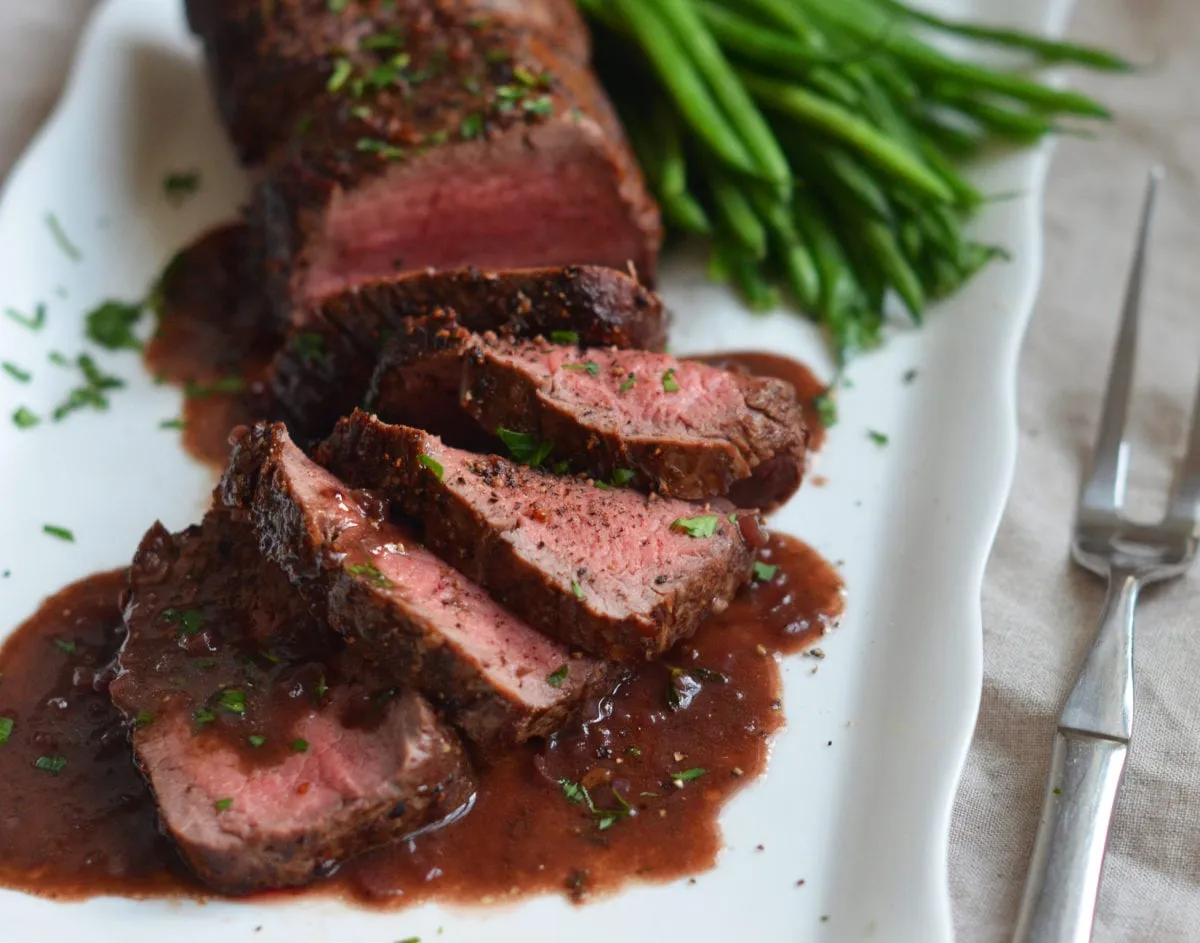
(172, 424)
(21, 376)
(233, 700)
(877, 437)
(670, 384)
(410, 939)
(322, 689)
(342, 70)
(300, 745)
(60, 236)
(256, 741)
(190, 620)
(543, 106)
(432, 464)
(576, 589)
(68, 647)
(380, 41)
(222, 804)
(373, 574)
(525, 447)
(556, 678)
(310, 345)
(381, 148)
(687, 775)
(703, 525)
(590, 367)
(627, 384)
(143, 719)
(826, 407)
(764, 572)
(33, 323)
(226, 384)
(471, 127)
(60, 532)
(564, 337)
(337, 6)
(179, 185)
(6, 729)
(622, 476)
(204, 715)
(51, 764)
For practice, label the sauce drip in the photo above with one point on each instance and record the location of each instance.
(690, 730)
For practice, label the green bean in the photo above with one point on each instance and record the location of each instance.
(686, 213)
(965, 195)
(799, 268)
(849, 128)
(956, 141)
(857, 181)
(839, 292)
(1048, 50)
(854, 16)
(896, 268)
(760, 44)
(735, 215)
(747, 121)
(1022, 126)
(785, 14)
(684, 84)
(743, 270)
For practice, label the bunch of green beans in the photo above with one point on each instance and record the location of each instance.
(819, 143)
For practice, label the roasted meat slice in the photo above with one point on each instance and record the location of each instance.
(616, 572)
(273, 753)
(419, 620)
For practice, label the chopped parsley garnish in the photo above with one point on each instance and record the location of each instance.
(21, 376)
(877, 437)
(573, 791)
(764, 572)
(590, 367)
(226, 384)
(342, 70)
(60, 532)
(373, 574)
(542, 105)
(51, 764)
(337, 6)
(33, 323)
(96, 383)
(60, 236)
(556, 678)
(322, 689)
(826, 407)
(382, 148)
(58, 359)
(143, 719)
(471, 127)
(576, 589)
(525, 447)
(204, 715)
(233, 700)
(222, 804)
(564, 337)
(670, 384)
(189, 621)
(432, 464)
(703, 525)
(300, 745)
(310, 345)
(6, 728)
(255, 740)
(381, 41)
(627, 384)
(622, 476)
(179, 185)
(68, 647)
(172, 424)
(687, 775)
(578, 793)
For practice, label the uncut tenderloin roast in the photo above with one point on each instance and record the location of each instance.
(419, 133)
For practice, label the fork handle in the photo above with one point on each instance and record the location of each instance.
(1064, 874)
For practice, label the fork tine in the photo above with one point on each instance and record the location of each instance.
(1185, 499)
(1105, 487)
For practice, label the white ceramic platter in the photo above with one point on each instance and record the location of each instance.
(857, 800)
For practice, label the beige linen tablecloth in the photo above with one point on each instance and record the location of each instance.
(1038, 611)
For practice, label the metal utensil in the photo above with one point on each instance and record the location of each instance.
(1093, 735)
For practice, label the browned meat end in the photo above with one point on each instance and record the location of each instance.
(272, 752)
(324, 370)
(616, 572)
(496, 678)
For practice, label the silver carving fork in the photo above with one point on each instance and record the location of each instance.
(1094, 731)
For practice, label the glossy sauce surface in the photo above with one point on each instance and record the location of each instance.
(657, 759)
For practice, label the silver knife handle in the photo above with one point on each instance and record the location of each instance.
(1064, 874)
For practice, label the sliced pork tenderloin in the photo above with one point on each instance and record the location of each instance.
(618, 573)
